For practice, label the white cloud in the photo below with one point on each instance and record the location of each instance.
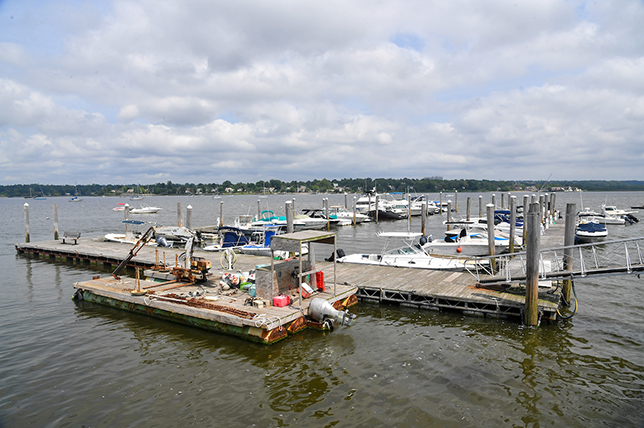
(333, 89)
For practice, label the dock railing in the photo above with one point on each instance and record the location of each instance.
(605, 258)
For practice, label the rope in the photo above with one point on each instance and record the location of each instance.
(263, 319)
(576, 303)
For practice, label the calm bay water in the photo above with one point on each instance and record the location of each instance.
(69, 364)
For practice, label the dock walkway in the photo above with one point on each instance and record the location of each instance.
(421, 288)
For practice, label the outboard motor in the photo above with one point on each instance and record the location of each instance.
(323, 312)
(339, 253)
(161, 241)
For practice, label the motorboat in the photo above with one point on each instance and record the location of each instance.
(144, 209)
(120, 207)
(411, 255)
(590, 231)
(469, 240)
(612, 210)
(342, 213)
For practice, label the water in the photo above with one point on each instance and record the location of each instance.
(72, 364)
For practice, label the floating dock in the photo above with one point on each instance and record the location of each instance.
(419, 288)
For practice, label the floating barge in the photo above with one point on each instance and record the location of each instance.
(418, 288)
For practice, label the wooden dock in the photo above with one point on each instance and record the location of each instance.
(420, 288)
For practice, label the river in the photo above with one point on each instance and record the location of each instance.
(73, 364)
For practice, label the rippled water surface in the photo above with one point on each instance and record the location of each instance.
(72, 364)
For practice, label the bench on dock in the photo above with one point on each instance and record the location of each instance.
(71, 236)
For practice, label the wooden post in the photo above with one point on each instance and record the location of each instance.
(469, 207)
(449, 214)
(354, 211)
(526, 207)
(553, 198)
(326, 211)
(423, 218)
(346, 203)
(542, 206)
(179, 215)
(27, 235)
(55, 217)
(221, 213)
(503, 201)
(490, 229)
(128, 227)
(289, 216)
(440, 202)
(408, 212)
(494, 200)
(259, 209)
(513, 220)
(480, 206)
(189, 216)
(455, 200)
(569, 240)
(532, 267)
(377, 203)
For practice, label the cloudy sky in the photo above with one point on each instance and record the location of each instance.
(146, 91)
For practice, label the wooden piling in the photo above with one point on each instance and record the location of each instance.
(455, 200)
(259, 209)
(503, 201)
(128, 227)
(569, 240)
(27, 235)
(490, 229)
(526, 207)
(469, 207)
(326, 212)
(288, 207)
(346, 202)
(423, 218)
(513, 220)
(494, 200)
(377, 204)
(449, 214)
(180, 215)
(354, 212)
(440, 202)
(408, 212)
(221, 213)
(189, 216)
(532, 223)
(553, 199)
(55, 218)
(480, 206)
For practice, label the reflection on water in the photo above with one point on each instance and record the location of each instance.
(72, 364)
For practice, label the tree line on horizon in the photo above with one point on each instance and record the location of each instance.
(349, 185)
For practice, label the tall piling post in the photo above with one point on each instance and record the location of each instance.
(326, 212)
(503, 201)
(455, 200)
(542, 206)
(27, 235)
(423, 219)
(259, 209)
(513, 220)
(221, 213)
(449, 214)
(408, 213)
(346, 202)
(569, 240)
(55, 218)
(494, 200)
(480, 206)
(531, 312)
(128, 227)
(440, 203)
(469, 208)
(490, 228)
(179, 215)
(354, 212)
(526, 207)
(288, 207)
(376, 208)
(189, 216)
(553, 210)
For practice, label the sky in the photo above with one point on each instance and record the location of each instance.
(203, 91)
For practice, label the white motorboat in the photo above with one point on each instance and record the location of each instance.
(144, 209)
(467, 241)
(342, 213)
(411, 255)
(612, 210)
(590, 231)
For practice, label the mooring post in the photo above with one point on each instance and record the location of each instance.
(259, 210)
(221, 213)
(553, 210)
(455, 200)
(513, 220)
(542, 206)
(288, 206)
(440, 202)
(408, 212)
(469, 207)
(346, 202)
(480, 206)
(532, 266)
(503, 201)
(377, 203)
(526, 207)
(27, 236)
(494, 200)
(423, 218)
(55, 217)
(449, 214)
(326, 211)
(490, 228)
(569, 240)
(179, 215)
(189, 216)
(354, 211)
